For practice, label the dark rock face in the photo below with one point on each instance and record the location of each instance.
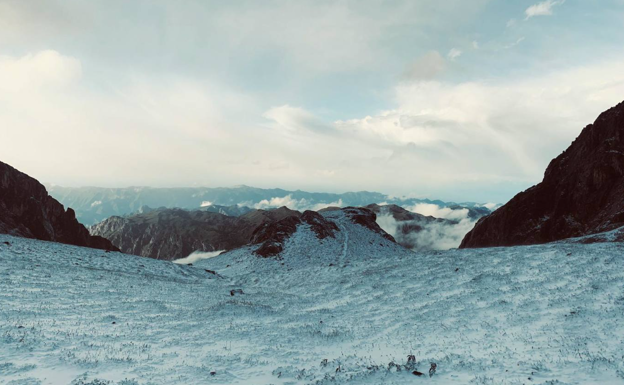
(367, 218)
(321, 226)
(271, 236)
(26, 210)
(175, 233)
(582, 193)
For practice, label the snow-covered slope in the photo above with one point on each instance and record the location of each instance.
(549, 314)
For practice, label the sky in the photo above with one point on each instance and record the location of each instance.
(457, 100)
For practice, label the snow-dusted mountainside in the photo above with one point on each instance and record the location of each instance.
(350, 311)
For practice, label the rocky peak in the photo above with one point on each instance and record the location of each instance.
(582, 193)
(26, 210)
(271, 236)
(367, 218)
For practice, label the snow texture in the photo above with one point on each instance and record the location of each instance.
(549, 314)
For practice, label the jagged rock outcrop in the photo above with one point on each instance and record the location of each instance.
(582, 193)
(175, 233)
(26, 210)
(271, 236)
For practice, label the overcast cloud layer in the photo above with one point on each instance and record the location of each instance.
(459, 100)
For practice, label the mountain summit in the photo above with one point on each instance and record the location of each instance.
(582, 193)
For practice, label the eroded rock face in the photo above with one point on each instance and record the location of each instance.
(175, 233)
(26, 210)
(271, 236)
(582, 193)
(321, 226)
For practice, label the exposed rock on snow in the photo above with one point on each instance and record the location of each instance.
(315, 226)
(582, 193)
(367, 218)
(271, 236)
(26, 210)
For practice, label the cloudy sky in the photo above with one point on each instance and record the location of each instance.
(454, 99)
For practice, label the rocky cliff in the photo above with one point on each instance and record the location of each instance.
(26, 210)
(582, 193)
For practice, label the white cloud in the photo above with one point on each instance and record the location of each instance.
(434, 236)
(491, 206)
(31, 72)
(444, 133)
(475, 44)
(295, 119)
(454, 53)
(198, 256)
(511, 23)
(429, 209)
(444, 136)
(545, 8)
(515, 43)
(205, 204)
(292, 203)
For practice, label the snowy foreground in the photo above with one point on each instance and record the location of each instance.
(550, 314)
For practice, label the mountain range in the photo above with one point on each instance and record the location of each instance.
(94, 204)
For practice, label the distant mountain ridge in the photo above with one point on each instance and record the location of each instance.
(175, 233)
(26, 210)
(582, 193)
(94, 204)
